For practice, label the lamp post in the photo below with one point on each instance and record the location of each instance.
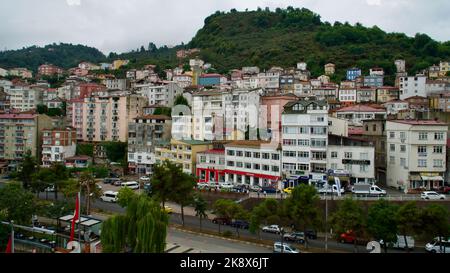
(282, 239)
(12, 236)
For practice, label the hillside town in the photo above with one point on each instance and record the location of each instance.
(249, 127)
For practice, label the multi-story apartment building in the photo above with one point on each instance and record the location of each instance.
(253, 162)
(57, 145)
(24, 98)
(163, 95)
(305, 137)
(395, 106)
(366, 94)
(19, 133)
(387, 93)
(440, 102)
(183, 153)
(436, 87)
(357, 113)
(270, 80)
(330, 69)
(5, 101)
(144, 134)
(183, 80)
(117, 84)
(355, 157)
(444, 68)
(412, 86)
(353, 73)
(49, 70)
(302, 89)
(326, 92)
(374, 81)
(347, 95)
(416, 154)
(375, 132)
(21, 72)
(105, 118)
(211, 166)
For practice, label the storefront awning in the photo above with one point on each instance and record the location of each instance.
(433, 178)
(415, 178)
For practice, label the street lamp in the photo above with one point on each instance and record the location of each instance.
(282, 239)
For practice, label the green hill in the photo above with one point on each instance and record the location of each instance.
(63, 55)
(286, 36)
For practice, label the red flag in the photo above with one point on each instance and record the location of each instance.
(9, 246)
(75, 217)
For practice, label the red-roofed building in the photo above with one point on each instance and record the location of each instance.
(211, 166)
(58, 144)
(357, 113)
(49, 70)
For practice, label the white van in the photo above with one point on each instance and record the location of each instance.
(436, 247)
(131, 184)
(401, 242)
(287, 248)
(109, 196)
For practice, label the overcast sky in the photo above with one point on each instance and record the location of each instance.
(122, 25)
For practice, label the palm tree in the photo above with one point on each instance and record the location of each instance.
(200, 207)
(88, 185)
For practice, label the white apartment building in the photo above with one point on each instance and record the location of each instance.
(302, 89)
(269, 80)
(395, 106)
(412, 86)
(253, 162)
(163, 95)
(416, 154)
(24, 98)
(211, 166)
(117, 84)
(357, 161)
(305, 137)
(347, 95)
(357, 113)
(183, 80)
(57, 145)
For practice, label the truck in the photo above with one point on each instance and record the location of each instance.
(367, 190)
(330, 189)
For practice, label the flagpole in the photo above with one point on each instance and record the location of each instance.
(12, 236)
(79, 219)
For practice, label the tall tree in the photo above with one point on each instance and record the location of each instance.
(268, 212)
(434, 222)
(349, 217)
(226, 208)
(143, 229)
(60, 176)
(27, 169)
(125, 196)
(408, 221)
(200, 207)
(181, 100)
(303, 208)
(183, 191)
(90, 189)
(17, 204)
(381, 222)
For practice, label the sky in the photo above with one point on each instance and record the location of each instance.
(122, 25)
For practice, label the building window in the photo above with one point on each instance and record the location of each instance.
(256, 155)
(363, 168)
(334, 154)
(392, 160)
(275, 157)
(230, 152)
(423, 136)
(248, 154)
(422, 163)
(403, 162)
(439, 136)
(289, 142)
(303, 142)
(438, 163)
(402, 135)
(265, 155)
(248, 165)
(402, 148)
(437, 149)
(265, 167)
(334, 166)
(303, 167)
(289, 153)
(239, 153)
(288, 166)
(202, 159)
(348, 167)
(391, 134)
(230, 163)
(303, 154)
(275, 169)
(348, 155)
(422, 150)
(239, 164)
(392, 147)
(256, 166)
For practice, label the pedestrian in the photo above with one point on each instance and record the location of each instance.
(265, 194)
(258, 194)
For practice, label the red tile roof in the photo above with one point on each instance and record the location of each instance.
(419, 122)
(360, 108)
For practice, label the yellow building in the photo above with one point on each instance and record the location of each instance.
(118, 63)
(444, 67)
(183, 152)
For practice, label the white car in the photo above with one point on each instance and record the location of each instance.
(145, 178)
(279, 247)
(272, 229)
(109, 196)
(226, 185)
(432, 195)
(436, 247)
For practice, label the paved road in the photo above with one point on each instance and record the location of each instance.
(209, 244)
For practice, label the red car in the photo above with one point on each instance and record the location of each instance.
(444, 189)
(347, 237)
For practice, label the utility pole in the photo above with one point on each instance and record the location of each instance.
(12, 236)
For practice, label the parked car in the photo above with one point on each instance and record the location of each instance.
(225, 185)
(279, 247)
(297, 237)
(110, 180)
(201, 186)
(255, 188)
(272, 229)
(401, 243)
(330, 189)
(221, 221)
(130, 184)
(240, 224)
(347, 237)
(432, 195)
(145, 178)
(109, 196)
(50, 188)
(269, 190)
(438, 246)
(168, 209)
(288, 190)
(311, 234)
(117, 183)
(444, 190)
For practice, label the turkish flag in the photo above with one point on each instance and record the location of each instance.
(75, 217)
(9, 246)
